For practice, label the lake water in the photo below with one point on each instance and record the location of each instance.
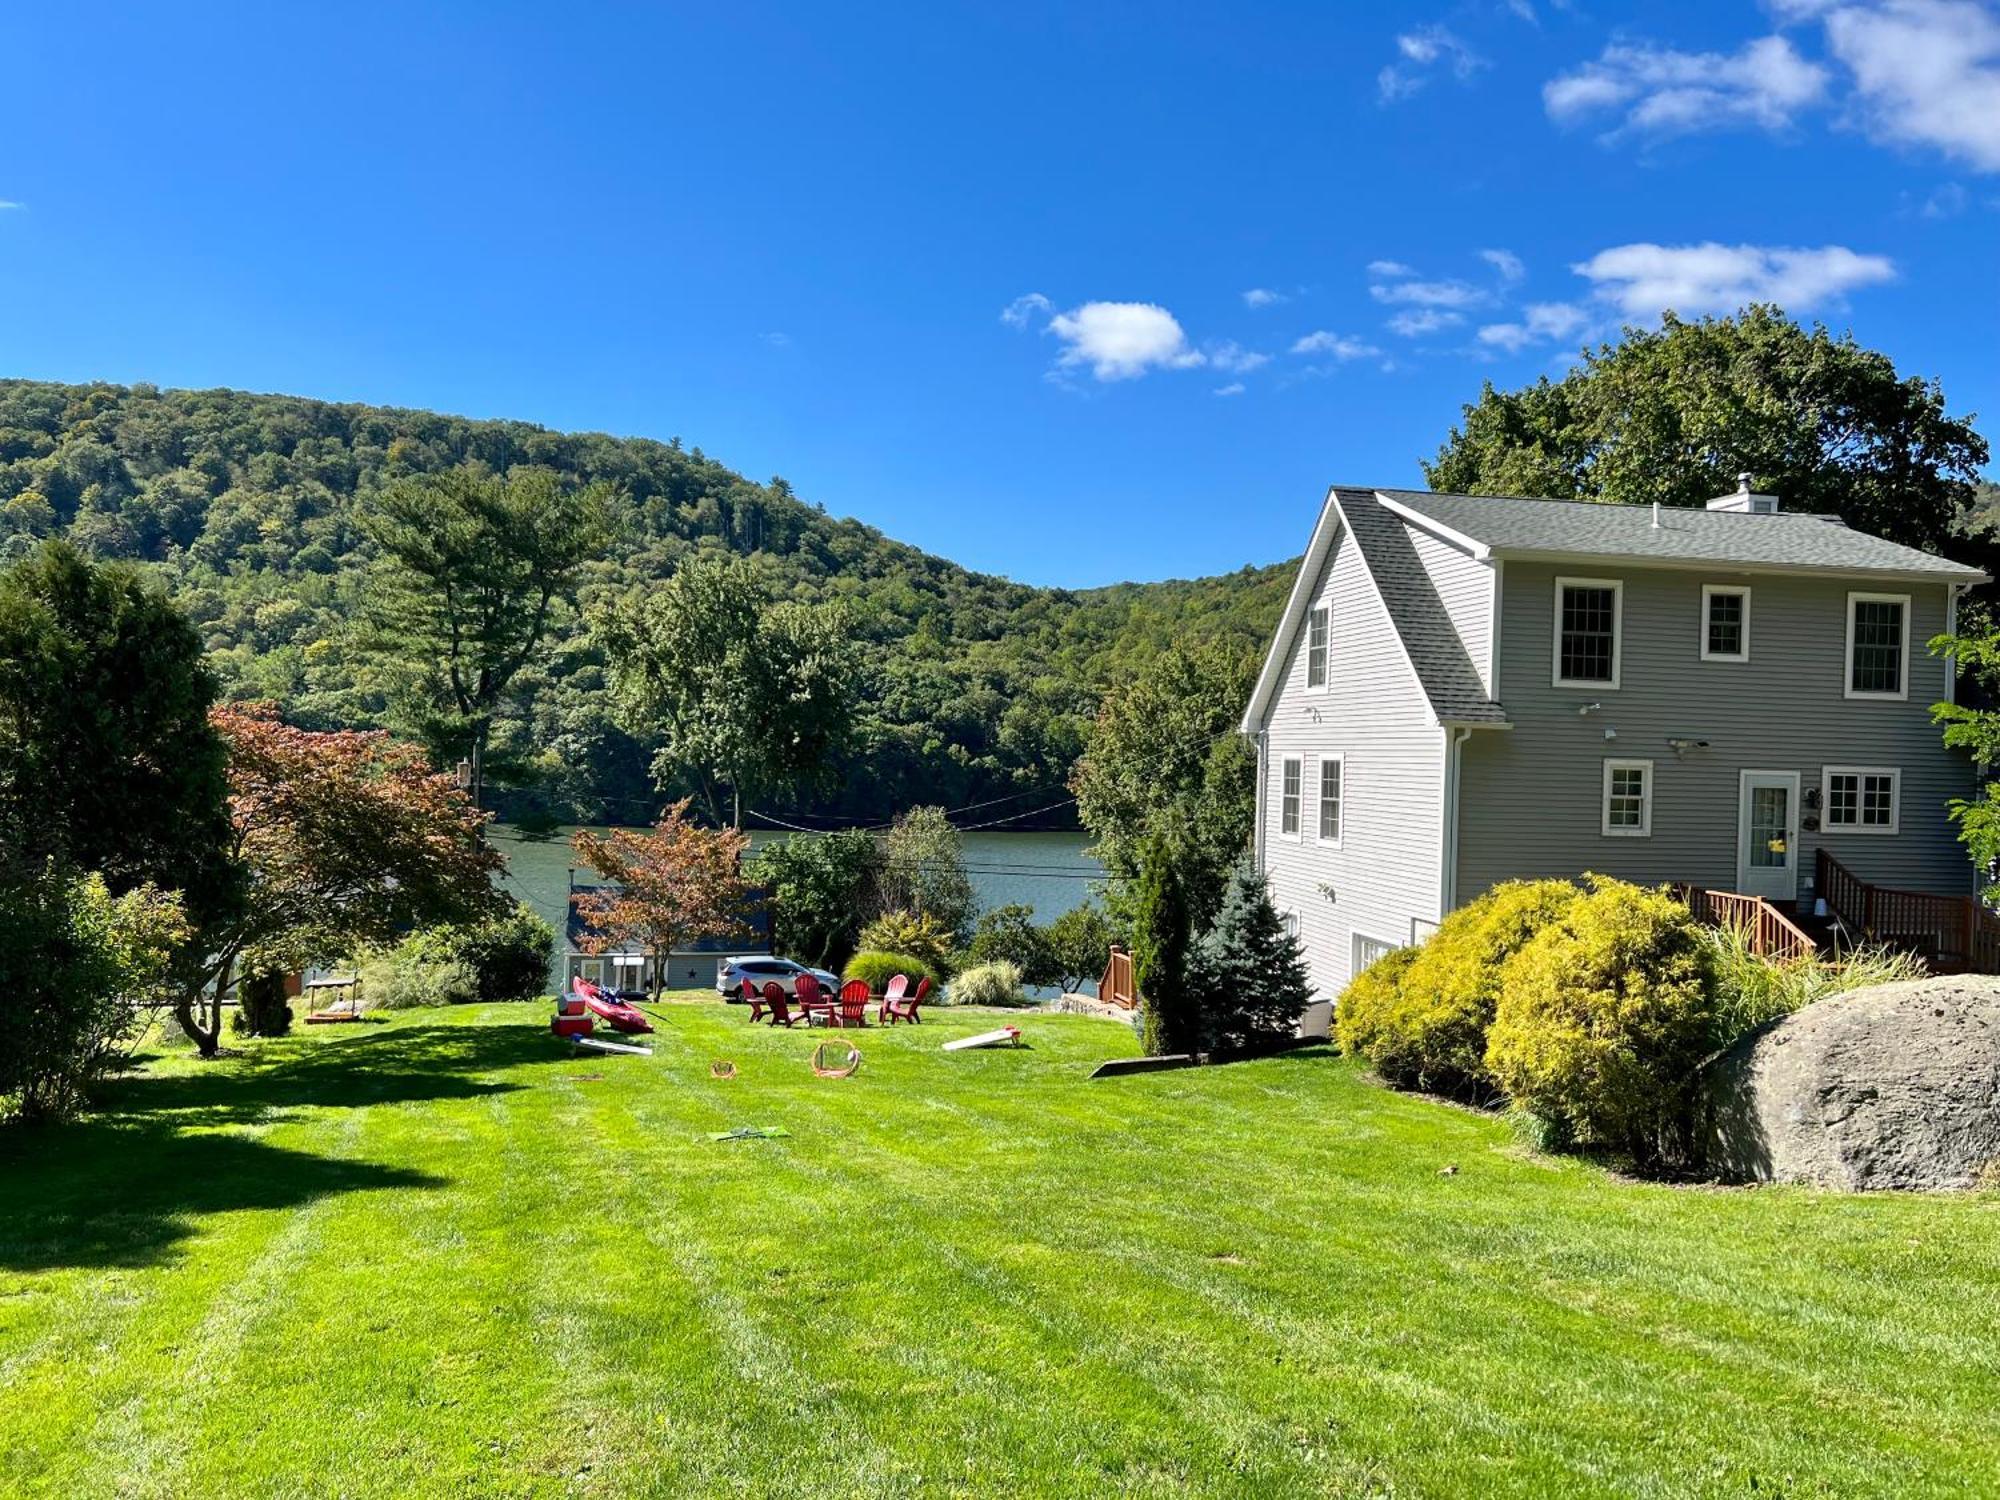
(1047, 871)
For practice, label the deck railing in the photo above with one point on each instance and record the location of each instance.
(1770, 933)
(1952, 932)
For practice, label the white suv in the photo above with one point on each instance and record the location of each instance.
(762, 969)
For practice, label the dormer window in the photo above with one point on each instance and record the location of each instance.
(1316, 632)
(1588, 615)
(1878, 645)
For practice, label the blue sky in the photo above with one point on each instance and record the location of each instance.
(1071, 292)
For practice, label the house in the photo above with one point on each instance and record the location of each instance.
(1468, 689)
(632, 966)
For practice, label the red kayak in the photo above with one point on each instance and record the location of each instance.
(614, 1012)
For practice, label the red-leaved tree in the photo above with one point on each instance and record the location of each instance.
(672, 883)
(343, 837)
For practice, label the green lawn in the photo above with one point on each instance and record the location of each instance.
(441, 1255)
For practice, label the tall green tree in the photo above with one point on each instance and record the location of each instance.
(923, 869)
(1165, 755)
(1674, 414)
(107, 759)
(1248, 972)
(819, 888)
(1162, 923)
(743, 694)
(475, 569)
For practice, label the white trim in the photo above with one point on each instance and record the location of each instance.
(1826, 823)
(1645, 828)
(1854, 597)
(1355, 939)
(1320, 763)
(1712, 565)
(1708, 592)
(1323, 612)
(1951, 594)
(1617, 587)
(1299, 811)
(1493, 634)
(1435, 527)
(1270, 678)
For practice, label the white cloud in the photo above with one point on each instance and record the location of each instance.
(1422, 52)
(1339, 345)
(1946, 201)
(1122, 340)
(1643, 280)
(1017, 313)
(1926, 72)
(1540, 321)
(1506, 262)
(1232, 357)
(1234, 388)
(7, 203)
(1662, 92)
(776, 340)
(1430, 293)
(1390, 268)
(1419, 321)
(1263, 296)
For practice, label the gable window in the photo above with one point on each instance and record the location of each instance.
(1586, 633)
(1331, 771)
(1862, 799)
(1628, 799)
(1289, 775)
(1316, 628)
(1878, 645)
(1725, 623)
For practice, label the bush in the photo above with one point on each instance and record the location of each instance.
(1168, 1020)
(879, 968)
(901, 932)
(412, 975)
(817, 886)
(507, 955)
(997, 983)
(1750, 991)
(1432, 1033)
(1079, 943)
(1366, 1011)
(1248, 974)
(1603, 1018)
(1009, 934)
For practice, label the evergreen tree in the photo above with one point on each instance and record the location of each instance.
(1249, 973)
(1160, 935)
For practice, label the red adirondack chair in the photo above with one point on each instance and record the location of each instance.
(906, 1010)
(812, 1001)
(778, 1005)
(892, 994)
(852, 1007)
(754, 1000)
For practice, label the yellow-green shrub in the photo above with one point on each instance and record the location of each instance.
(1367, 1007)
(1603, 1017)
(1431, 1031)
(922, 937)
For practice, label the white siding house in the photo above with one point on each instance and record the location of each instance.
(1468, 689)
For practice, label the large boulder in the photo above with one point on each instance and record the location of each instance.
(1894, 1086)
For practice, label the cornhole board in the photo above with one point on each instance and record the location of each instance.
(595, 1044)
(1006, 1036)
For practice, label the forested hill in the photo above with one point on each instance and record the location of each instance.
(979, 688)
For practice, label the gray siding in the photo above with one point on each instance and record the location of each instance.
(1530, 800)
(1387, 868)
(1465, 586)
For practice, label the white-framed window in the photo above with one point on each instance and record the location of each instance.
(1289, 920)
(1878, 646)
(1628, 799)
(1290, 772)
(1318, 623)
(1369, 949)
(1725, 622)
(1589, 619)
(1861, 799)
(1332, 777)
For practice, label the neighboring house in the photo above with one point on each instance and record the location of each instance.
(1468, 689)
(631, 966)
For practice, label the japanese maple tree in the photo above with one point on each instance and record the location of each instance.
(343, 837)
(671, 883)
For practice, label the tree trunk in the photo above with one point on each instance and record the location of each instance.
(189, 1005)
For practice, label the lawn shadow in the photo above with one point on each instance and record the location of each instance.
(125, 1193)
(391, 1067)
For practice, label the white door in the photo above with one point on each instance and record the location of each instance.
(1767, 836)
